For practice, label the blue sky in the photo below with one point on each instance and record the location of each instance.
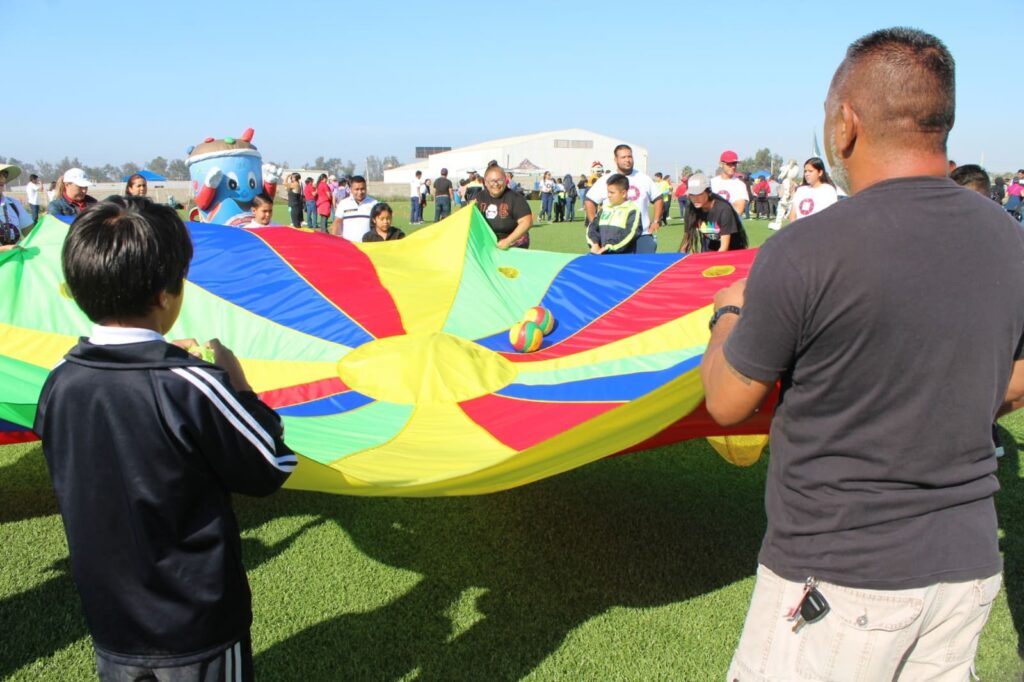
(111, 82)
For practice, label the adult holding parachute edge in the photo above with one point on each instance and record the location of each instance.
(882, 530)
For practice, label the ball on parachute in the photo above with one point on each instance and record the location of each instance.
(541, 317)
(525, 337)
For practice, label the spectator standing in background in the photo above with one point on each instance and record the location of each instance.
(680, 193)
(32, 191)
(415, 189)
(72, 194)
(309, 194)
(295, 201)
(727, 185)
(444, 195)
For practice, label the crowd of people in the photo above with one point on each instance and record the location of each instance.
(329, 202)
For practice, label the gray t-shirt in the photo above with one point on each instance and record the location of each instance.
(893, 319)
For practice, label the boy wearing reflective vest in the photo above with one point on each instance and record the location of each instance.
(618, 225)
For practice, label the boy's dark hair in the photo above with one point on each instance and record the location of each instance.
(619, 180)
(972, 176)
(356, 178)
(33, 177)
(121, 253)
(262, 199)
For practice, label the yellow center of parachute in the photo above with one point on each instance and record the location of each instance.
(424, 369)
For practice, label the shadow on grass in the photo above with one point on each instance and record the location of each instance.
(639, 531)
(25, 487)
(42, 620)
(1010, 508)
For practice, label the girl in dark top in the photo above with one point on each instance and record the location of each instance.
(381, 229)
(710, 222)
(294, 185)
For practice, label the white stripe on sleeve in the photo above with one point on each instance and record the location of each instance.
(238, 661)
(232, 402)
(283, 463)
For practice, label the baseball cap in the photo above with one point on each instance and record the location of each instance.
(697, 183)
(729, 156)
(12, 170)
(76, 176)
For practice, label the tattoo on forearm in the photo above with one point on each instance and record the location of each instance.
(738, 374)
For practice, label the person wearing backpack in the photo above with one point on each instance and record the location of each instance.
(571, 194)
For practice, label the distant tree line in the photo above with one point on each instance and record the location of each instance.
(176, 169)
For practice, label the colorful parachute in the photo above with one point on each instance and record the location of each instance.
(390, 363)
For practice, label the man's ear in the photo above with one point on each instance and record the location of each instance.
(847, 130)
(163, 300)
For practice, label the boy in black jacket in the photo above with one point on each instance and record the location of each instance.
(145, 444)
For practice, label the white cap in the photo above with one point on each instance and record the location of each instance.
(76, 176)
(697, 183)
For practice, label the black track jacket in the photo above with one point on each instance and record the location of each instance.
(145, 445)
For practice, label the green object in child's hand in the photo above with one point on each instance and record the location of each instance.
(205, 352)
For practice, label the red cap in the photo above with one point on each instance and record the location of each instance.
(729, 156)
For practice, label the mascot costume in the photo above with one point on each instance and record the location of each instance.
(226, 174)
(789, 176)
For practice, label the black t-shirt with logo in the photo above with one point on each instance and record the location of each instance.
(502, 213)
(720, 219)
(893, 320)
(441, 186)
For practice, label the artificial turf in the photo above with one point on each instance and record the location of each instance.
(632, 568)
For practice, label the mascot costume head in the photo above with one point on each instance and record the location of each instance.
(226, 174)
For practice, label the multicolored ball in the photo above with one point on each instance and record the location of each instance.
(525, 337)
(541, 317)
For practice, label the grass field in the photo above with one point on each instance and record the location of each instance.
(633, 568)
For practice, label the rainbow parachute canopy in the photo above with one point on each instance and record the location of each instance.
(390, 362)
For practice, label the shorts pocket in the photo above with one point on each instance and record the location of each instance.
(862, 638)
(968, 618)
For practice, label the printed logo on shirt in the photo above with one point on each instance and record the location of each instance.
(634, 193)
(725, 194)
(492, 211)
(710, 228)
(806, 206)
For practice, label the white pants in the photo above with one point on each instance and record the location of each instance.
(928, 633)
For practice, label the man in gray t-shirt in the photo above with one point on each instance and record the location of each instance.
(894, 322)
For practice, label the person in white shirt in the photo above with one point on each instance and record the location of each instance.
(32, 190)
(415, 207)
(352, 217)
(727, 186)
(817, 193)
(14, 219)
(642, 192)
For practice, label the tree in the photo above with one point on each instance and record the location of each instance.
(763, 159)
(158, 166)
(347, 169)
(687, 171)
(129, 169)
(47, 171)
(177, 170)
(391, 162)
(374, 169)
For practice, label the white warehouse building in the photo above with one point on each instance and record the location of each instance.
(572, 150)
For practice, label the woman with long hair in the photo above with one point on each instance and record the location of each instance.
(817, 192)
(710, 223)
(323, 202)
